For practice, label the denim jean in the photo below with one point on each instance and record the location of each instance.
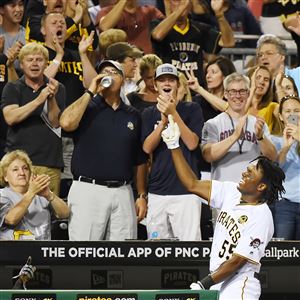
(286, 216)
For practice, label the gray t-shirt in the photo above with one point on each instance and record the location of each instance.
(11, 40)
(36, 223)
(236, 160)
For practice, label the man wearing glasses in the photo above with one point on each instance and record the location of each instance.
(271, 53)
(107, 149)
(233, 138)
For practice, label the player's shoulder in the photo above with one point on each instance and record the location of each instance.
(261, 214)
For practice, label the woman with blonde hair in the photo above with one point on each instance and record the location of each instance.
(147, 94)
(26, 202)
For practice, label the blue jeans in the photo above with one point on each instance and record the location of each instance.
(286, 216)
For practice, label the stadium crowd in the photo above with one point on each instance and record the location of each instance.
(86, 91)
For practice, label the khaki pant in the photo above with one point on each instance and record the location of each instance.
(54, 174)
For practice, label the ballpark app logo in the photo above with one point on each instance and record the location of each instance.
(32, 296)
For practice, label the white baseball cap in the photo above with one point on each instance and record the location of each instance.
(166, 69)
(112, 63)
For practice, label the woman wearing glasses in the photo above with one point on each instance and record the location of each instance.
(286, 211)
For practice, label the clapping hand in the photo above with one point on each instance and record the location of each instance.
(38, 184)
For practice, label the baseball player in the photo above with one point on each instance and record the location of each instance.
(244, 226)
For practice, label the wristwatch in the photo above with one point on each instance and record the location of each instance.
(143, 195)
(261, 138)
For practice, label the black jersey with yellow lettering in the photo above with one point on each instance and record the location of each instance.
(69, 74)
(184, 48)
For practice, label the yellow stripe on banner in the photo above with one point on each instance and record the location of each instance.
(243, 289)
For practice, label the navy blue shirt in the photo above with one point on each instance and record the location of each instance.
(107, 143)
(163, 179)
(32, 134)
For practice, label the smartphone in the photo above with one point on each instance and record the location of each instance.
(293, 119)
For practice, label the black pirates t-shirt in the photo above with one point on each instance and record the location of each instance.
(184, 48)
(69, 74)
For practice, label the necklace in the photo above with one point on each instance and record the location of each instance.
(240, 143)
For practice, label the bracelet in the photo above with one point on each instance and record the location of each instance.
(56, 62)
(52, 197)
(90, 93)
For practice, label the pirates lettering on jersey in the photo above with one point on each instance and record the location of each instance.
(184, 66)
(229, 223)
(71, 67)
(285, 2)
(248, 136)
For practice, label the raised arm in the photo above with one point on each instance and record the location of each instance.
(215, 101)
(72, 115)
(112, 18)
(227, 38)
(164, 27)
(187, 177)
(54, 65)
(88, 70)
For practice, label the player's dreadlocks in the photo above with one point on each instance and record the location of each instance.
(273, 177)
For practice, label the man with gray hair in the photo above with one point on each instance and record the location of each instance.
(271, 53)
(233, 138)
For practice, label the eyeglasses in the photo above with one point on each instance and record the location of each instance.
(287, 97)
(266, 54)
(233, 92)
(110, 72)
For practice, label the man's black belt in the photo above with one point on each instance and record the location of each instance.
(108, 183)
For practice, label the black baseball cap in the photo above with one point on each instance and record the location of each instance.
(5, 2)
